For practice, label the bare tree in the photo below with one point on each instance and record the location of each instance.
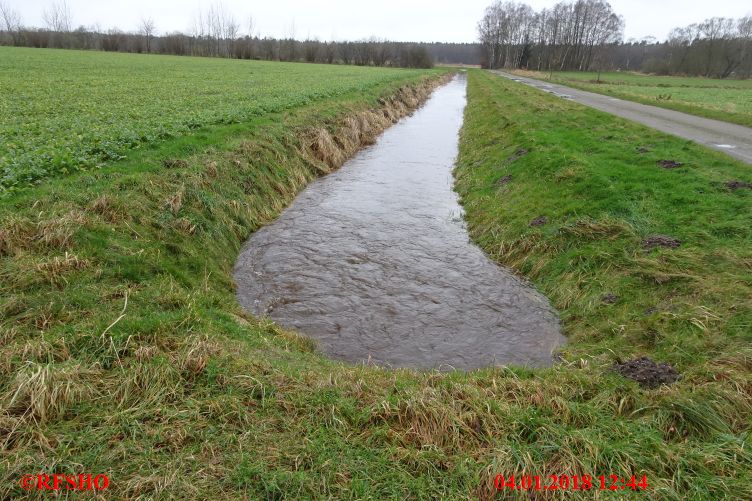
(10, 22)
(58, 17)
(147, 29)
(568, 36)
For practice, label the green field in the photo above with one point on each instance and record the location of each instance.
(123, 349)
(727, 100)
(64, 111)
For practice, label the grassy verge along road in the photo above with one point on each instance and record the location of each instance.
(732, 139)
(728, 100)
(607, 188)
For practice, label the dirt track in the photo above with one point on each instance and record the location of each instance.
(734, 140)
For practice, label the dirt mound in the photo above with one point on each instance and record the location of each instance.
(647, 373)
(504, 181)
(539, 221)
(669, 164)
(655, 241)
(518, 154)
(738, 185)
(172, 163)
(642, 150)
(610, 299)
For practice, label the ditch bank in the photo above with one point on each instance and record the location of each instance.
(117, 305)
(374, 261)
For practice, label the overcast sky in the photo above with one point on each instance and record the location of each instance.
(403, 20)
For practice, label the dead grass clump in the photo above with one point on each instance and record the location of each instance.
(297, 342)
(409, 96)
(57, 232)
(20, 234)
(348, 136)
(101, 205)
(108, 208)
(44, 392)
(15, 234)
(173, 163)
(197, 356)
(211, 169)
(175, 202)
(185, 225)
(144, 353)
(370, 124)
(54, 269)
(434, 419)
(324, 149)
(43, 351)
(153, 380)
(598, 229)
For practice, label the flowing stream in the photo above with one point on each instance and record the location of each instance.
(374, 261)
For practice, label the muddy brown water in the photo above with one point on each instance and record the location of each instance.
(374, 261)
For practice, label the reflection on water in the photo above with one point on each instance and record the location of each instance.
(374, 262)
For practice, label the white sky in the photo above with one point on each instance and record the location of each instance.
(403, 20)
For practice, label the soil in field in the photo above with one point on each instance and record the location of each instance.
(655, 241)
(647, 373)
(375, 263)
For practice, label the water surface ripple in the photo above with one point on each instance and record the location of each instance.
(374, 261)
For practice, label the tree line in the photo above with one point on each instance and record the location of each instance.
(569, 36)
(588, 35)
(216, 32)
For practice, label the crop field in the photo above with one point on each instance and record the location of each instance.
(728, 100)
(66, 111)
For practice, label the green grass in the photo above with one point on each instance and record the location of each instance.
(727, 100)
(123, 350)
(66, 111)
(691, 306)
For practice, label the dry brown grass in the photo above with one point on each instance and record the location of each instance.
(54, 269)
(330, 150)
(175, 202)
(16, 233)
(57, 232)
(185, 225)
(42, 392)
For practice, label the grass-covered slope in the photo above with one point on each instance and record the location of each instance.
(64, 111)
(600, 183)
(728, 100)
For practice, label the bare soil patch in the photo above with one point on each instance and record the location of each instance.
(539, 221)
(669, 164)
(647, 373)
(655, 241)
(738, 185)
(504, 181)
(518, 154)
